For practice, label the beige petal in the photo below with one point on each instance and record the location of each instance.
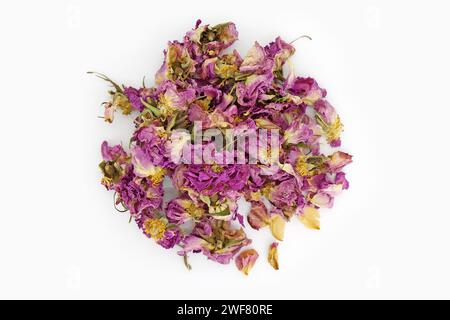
(310, 218)
(277, 224)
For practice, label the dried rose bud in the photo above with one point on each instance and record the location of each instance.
(273, 255)
(246, 260)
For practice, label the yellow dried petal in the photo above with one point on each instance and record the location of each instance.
(255, 196)
(310, 218)
(277, 225)
(334, 130)
(158, 176)
(273, 255)
(155, 228)
(266, 124)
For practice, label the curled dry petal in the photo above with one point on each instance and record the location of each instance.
(338, 160)
(258, 216)
(246, 260)
(310, 218)
(266, 124)
(322, 199)
(273, 255)
(277, 225)
(297, 132)
(175, 145)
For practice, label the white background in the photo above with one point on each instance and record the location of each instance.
(385, 65)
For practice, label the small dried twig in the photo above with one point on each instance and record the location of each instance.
(186, 262)
(303, 36)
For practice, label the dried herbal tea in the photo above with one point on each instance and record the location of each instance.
(219, 127)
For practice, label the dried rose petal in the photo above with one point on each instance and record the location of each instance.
(273, 255)
(322, 199)
(258, 216)
(338, 160)
(277, 225)
(310, 218)
(246, 260)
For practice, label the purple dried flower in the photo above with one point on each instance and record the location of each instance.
(134, 96)
(170, 238)
(285, 194)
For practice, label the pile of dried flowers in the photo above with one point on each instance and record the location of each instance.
(199, 84)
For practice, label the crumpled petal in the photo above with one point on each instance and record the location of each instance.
(112, 153)
(256, 61)
(246, 260)
(297, 132)
(322, 199)
(258, 216)
(143, 165)
(172, 236)
(338, 160)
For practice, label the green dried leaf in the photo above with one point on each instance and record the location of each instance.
(107, 79)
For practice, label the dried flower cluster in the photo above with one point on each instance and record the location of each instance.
(199, 83)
